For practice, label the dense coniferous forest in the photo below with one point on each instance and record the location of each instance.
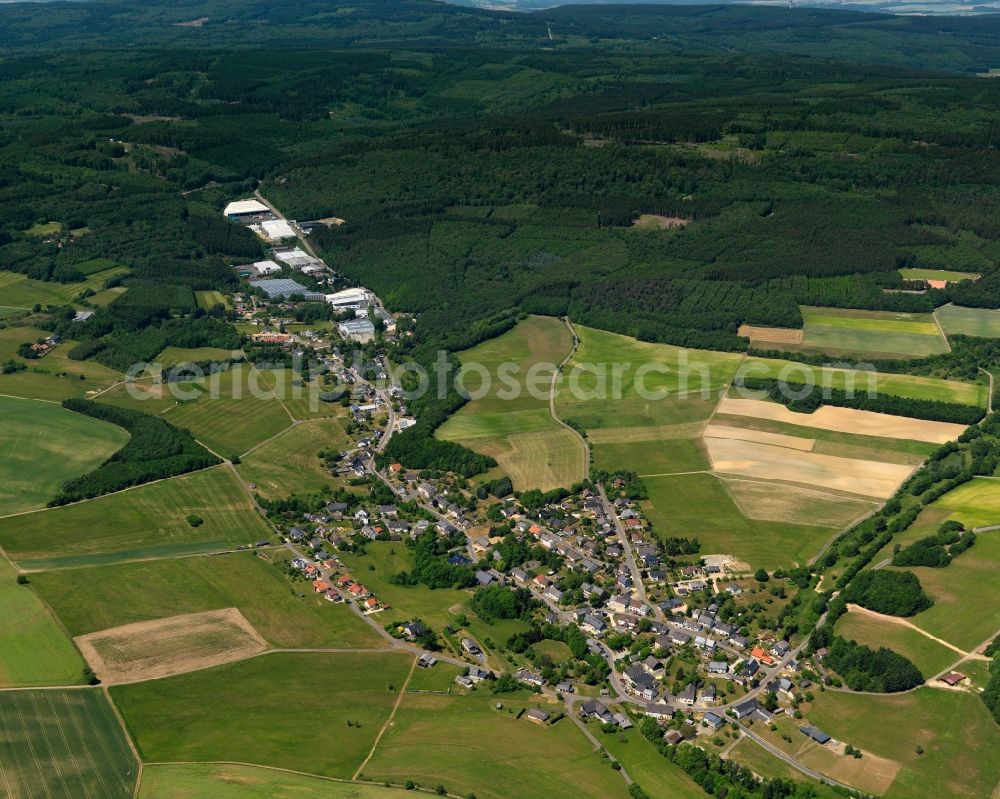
(487, 169)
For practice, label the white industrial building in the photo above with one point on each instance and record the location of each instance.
(357, 329)
(350, 298)
(266, 267)
(245, 209)
(277, 229)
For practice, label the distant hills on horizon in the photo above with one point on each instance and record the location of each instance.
(902, 7)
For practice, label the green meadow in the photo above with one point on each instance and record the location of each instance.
(873, 333)
(466, 745)
(290, 463)
(926, 654)
(218, 781)
(656, 775)
(42, 445)
(698, 506)
(899, 385)
(288, 615)
(959, 740)
(232, 411)
(966, 595)
(35, 649)
(54, 376)
(143, 522)
(289, 710)
(982, 322)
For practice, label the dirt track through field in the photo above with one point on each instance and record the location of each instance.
(152, 649)
(759, 436)
(905, 623)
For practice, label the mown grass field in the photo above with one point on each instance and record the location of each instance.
(288, 710)
(966, 595)
(290, 463)
(42, 445)
(98, 598)
(871, 333)
(35, 650)
(937, 274)
(927, 655)
(643, 405)
(209, 781)
(960, 741)
(698, 506)
(149, 521)
(975, 504)
(463, 743)
(511, 421)
(234, 411)
(982, 322)
(207, 299)
(656, 775)
(63, 744)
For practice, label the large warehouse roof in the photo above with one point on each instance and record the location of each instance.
(280, 287)
(245, 207)
(277, 229)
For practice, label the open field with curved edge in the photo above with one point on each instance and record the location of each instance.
(926, 654)
(43, 445)
(148, 521)
(966, 595)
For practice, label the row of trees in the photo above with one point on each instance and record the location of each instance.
(806, 399)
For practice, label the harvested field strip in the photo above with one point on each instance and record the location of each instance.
(861, 452)
(867, 478)
(887, 447)
(847, 420)
(625, 435)
(759, 436)
(65, 743)
(153, 649)
(771, 335)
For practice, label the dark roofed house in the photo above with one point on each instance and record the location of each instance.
(744, 709)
